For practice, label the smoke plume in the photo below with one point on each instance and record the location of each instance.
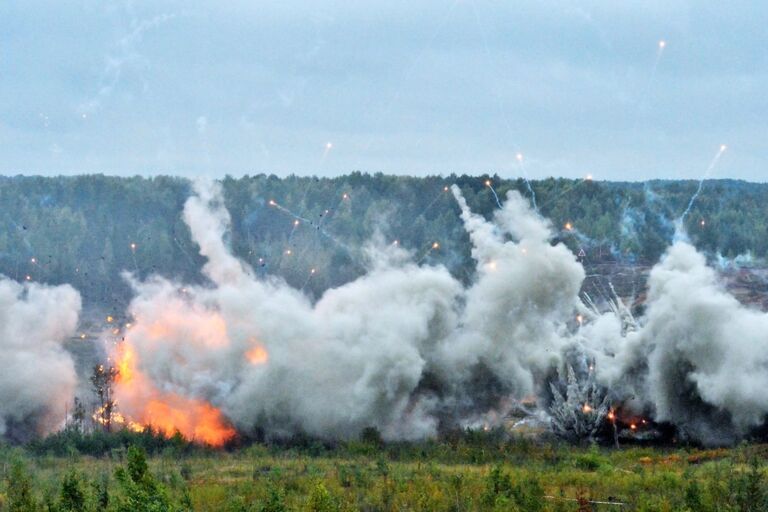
(408, 349)
(37, 376)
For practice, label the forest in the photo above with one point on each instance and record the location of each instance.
(313, 232)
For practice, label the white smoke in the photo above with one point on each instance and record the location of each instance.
(360, 355)
(700, 358)
(407, 347)
(37, 376)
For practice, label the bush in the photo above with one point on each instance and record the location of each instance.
(72, 497)
(140, 489)
(20, 498)
(321, 500)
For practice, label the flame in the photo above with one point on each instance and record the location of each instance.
(257, 356)
(195, 419)
(143, 405)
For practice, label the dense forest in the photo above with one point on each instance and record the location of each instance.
(88, 230)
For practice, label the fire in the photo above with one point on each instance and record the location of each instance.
(143, 405)
(195, 419)
(257, 356)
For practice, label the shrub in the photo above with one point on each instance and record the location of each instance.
(20, 498)
(72, 497)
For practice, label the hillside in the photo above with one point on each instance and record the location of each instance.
(87, 230)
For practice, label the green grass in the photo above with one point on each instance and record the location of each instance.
(485, 474)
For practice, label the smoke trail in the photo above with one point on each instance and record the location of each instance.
(489, 184)
(37, 376)
(710, 168)
(519, 157)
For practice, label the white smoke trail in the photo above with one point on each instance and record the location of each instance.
(709, 170)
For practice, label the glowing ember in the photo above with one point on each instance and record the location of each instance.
(257, 356)
(568, 226)
(586, 409)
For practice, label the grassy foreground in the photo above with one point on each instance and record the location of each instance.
(467, 473)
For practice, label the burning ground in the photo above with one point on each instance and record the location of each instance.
(407, 348)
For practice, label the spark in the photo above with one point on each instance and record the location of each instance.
(611, 416)
(568, 226)
(396, 242)
(28, 277)
(345, 196)
(588, 177)
(435, 245)
(445, 189)
(133, 246)
(296, 222)
(110, 319)
(33, 260)
(586, 409)
(82, 336)
(580, 319)
(662, 44)
(288, 252)
(519, 157)
(633, 426)
(702, 223)
(272, 202)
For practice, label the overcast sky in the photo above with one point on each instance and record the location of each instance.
(399, 86)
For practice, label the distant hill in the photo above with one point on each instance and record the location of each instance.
(80, 230)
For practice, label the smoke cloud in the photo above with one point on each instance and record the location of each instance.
(37, 376)
(408, 349)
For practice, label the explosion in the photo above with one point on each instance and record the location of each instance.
(407, 348)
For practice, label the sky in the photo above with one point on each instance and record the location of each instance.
(325, 87)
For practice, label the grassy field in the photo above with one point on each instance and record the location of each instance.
(464, 474)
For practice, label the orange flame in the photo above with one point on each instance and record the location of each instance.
(143, 405)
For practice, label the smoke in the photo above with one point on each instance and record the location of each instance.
(700, 357)
(408, 349)
(37, 376)
(395, 349)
